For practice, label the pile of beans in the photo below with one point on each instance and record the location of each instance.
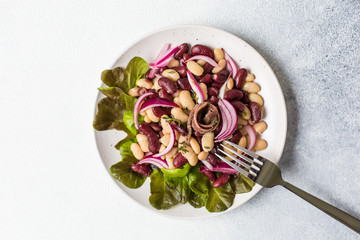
(154, 132)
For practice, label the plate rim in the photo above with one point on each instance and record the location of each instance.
(282, 99)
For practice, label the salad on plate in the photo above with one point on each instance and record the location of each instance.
(176, 111)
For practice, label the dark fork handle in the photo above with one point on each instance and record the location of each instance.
(332, 211)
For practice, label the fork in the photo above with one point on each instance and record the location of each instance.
(268, 174)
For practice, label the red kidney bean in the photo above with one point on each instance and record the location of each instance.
(161, 134)
(180, 128)
(179, 160)
(213, 91)
(224, 72)
(184, 84)
(215, 149)
(142, 169)
(236, 137)
(183, 48)
(164, 94)
(186, 56)
(155, 126)
(145, 128)
(218, 129)
(217, 84)
(181, 70)
(199, 140)
(233, 94)
(221, 78)
(210, 175)
(222, 180)
(199, 49)
(239, 106)
(240, 78)
(162, 69)
(141, 91)
(255, 112)
(212, 159)
(154, 143)
(207, 78)
(159, 111)
(197, 134)
(245, 98)
(147, 74)
(168, 85)
(207, 68)
(214, 100)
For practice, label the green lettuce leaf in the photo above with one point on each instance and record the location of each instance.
(220, 199)
(135, 69)
(117, 94)
(113, 77)
(124, 148)
(109, 115)
(162, 196)
(197, 200)
(241, 184)
(122, 171)
(129, 121)
(198, 183)
(180, 184)
(177, 172)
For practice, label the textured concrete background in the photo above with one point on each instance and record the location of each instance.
(53, 185)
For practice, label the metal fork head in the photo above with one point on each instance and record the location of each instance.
(253, 166)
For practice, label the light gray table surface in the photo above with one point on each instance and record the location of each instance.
(52, 182)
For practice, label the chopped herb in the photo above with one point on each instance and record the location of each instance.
(172, 72)
(184, 109)
(196, 98)
(215, 121)
(244, 113)
(172, 120)
(183, 146)
(207, 147)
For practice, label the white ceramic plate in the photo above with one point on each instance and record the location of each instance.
(246, 57)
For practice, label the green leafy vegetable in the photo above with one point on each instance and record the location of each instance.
(130, 136)
(180, 184)
(129, 121)
(162, 196)
(241, 184)
(124, 148)
(113, 77)
(135, 69)
(220, 198)
(109, 115)
(122, 171)
(177, 172)
(198, 183)
(197, 200)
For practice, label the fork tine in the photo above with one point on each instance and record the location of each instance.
(238, 154)
(248, 152)
(236, 167)
(235, 159)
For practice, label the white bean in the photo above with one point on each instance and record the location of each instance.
(186, 100)
(203, 155)
(143, 82)
(251, 87)
(143, 142)
(136, 150)
(218, 54)
(173, 63)
(152, 116)
(254, 97)
(260, 144)
(207, 141)
(165, 139)
(222, 65)
(165, 125)
(204, 90)
(179, 114)
(260, 127)
(195, 68)
(195, 145)
(171, 74)
(134, 92)
(170, 162)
